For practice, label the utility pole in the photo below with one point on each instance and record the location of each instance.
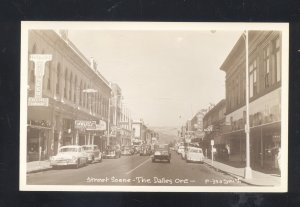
(248, 170)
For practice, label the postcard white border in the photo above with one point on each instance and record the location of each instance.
(161, 26)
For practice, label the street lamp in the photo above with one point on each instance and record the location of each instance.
(248, 170)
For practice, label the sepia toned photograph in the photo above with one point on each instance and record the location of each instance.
(154, 107)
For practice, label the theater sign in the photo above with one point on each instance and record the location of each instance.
(39, 70)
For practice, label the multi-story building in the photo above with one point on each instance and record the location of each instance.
(120, 118)
(125, 124)
(197, 125)
(264, 93)
(75, 90)
(139, 132)
(214, 125)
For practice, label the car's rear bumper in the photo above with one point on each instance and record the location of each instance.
(161, 157)
(62, 163)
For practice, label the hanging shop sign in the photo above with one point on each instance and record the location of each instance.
(209, 128)
(102, 125)
(39, 70)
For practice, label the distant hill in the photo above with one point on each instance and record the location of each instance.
(166, 134)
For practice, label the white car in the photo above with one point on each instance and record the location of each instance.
(194, 154)
(93, 153)
(73, 155)
(180, 150)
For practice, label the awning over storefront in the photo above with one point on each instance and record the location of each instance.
(39, 113)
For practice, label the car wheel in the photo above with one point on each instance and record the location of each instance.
(169, 161)
(77, 164)
(86, 161)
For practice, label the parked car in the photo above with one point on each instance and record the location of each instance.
(127, 150)
(137, 149)
(145, 150)
(194, 154)
(180, 150)
(93, 152)
(112, 151)
(161, 152)
(73, 155)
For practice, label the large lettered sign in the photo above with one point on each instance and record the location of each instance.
(39, 70)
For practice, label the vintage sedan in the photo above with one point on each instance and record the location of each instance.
(161, 152)
(180, 150)
(194, 154)
(127, 150)
(112, 151)
(145, 150)
(93, 152)
(70, 155)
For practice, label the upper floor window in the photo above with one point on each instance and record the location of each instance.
(267, 66)
(277, 56)
(80, 93)
(75, 89)
(71, 87)
(66, 82)
(253, 78)
(58, 79)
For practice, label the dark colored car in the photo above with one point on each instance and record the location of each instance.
(112, 151)
(145, 150)
(161, 152)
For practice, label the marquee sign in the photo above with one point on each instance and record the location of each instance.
(39, 70)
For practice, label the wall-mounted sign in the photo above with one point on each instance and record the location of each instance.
(84, 124)
(39, 70)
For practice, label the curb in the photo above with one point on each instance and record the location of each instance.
(39, 170)
(234, 176)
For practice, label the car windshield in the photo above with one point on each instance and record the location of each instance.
(87, 147)
(126, 148)
(68, 149)
(161, 146)
(196, 150)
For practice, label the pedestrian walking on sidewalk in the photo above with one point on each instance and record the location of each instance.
(278, 158)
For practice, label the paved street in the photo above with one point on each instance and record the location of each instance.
(135, 170)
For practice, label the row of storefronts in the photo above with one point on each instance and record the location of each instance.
(225, 122)
(64, 88)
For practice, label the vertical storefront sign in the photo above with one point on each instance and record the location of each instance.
(39, 70)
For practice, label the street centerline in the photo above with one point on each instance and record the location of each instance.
(137, 166)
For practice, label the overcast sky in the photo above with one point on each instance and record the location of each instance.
(165, 76)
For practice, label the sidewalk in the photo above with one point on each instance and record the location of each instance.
(258, 178)
(37, 166)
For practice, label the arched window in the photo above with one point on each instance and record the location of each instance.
(75, 89)
(80, 93)
(66, 82)
(70, 87)
(87, 99)
(58, 71)
(84, 96)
